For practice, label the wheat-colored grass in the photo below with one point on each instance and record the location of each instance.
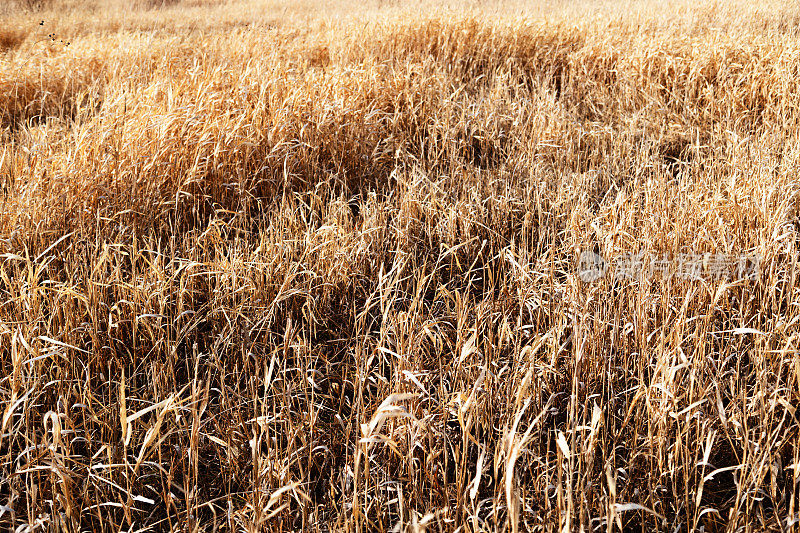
(272, 266)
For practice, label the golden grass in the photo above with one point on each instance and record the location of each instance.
(268, 266)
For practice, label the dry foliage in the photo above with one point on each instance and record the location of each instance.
(270, 268)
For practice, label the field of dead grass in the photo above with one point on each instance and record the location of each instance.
(278, 267)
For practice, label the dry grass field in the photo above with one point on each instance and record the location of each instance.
(313, 266)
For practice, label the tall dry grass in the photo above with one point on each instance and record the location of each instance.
(269, 267)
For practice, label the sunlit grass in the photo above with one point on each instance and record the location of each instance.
(291, 267)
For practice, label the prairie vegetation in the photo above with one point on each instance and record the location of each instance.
(277, 267)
